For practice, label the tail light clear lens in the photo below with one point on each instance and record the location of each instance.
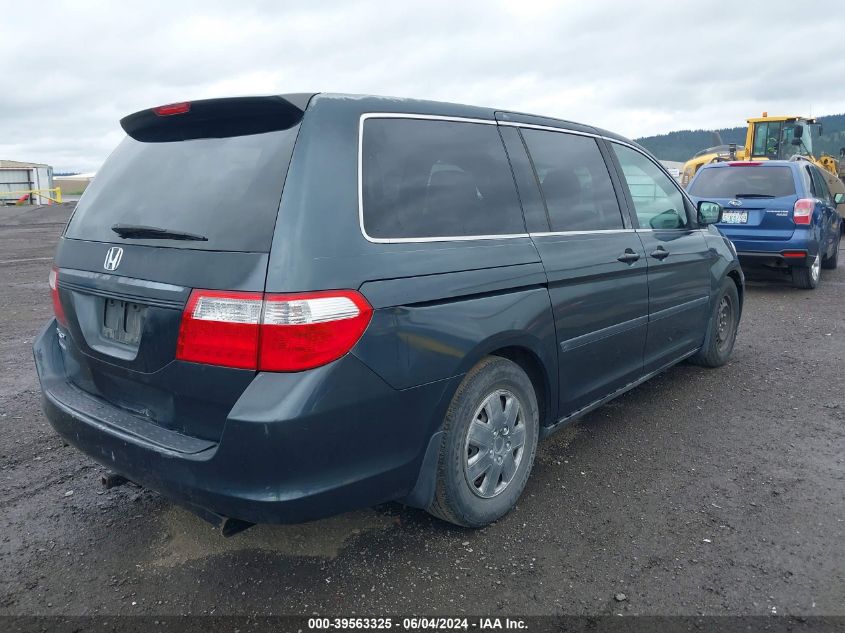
(803, 211)
(58, 310)
(271, 332)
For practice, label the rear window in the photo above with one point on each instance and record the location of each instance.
(225, 189)
(426, 178)
(734, 182)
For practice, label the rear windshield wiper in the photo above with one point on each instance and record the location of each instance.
(140, 232)
(753, 195)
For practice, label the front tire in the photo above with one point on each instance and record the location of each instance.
(807, 278)
(723, 327)
(491, 433)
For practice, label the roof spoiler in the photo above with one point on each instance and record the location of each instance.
(216, 118)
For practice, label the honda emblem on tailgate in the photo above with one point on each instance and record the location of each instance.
(113, 257)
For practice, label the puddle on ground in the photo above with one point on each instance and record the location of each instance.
(551, 449)
(186, 537)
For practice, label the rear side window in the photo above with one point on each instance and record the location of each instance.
(226, 189)
(426, 178)
(575, 182)
(819, 185)
(749, 180)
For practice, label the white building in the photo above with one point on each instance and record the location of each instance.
(17, 178)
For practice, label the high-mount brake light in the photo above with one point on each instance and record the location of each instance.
(58, 310)
(173, 108)
(744, 163)
(272, 332)
(802, 213)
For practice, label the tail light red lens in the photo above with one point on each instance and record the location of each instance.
(803, 211)
(743, 163)
(271, 332)
(58, 310)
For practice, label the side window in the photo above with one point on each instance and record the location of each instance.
(658, 202)
(574, 180)
(425, 178)
(820, 185)
(809, 185)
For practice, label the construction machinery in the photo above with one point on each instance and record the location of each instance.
(776, 138)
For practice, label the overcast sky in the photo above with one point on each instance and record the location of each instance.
(73, 69)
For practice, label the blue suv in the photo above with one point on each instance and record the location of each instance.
(780, 215)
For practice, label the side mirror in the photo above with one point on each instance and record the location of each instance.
(709, 213)
(797, 132)
(842, 152)
(839, 198)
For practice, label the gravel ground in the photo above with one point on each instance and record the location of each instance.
(701, 492)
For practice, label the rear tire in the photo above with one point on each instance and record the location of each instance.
(830, 263)
(491, 432)
(723, 327)
(807, 278)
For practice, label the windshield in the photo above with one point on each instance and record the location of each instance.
(746, 181)
(773, 139)
(224, 189)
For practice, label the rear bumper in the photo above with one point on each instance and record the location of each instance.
(295, 447)
(773, 254)
(761, 259)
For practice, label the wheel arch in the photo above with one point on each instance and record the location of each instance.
(736, 276)
(541, 368)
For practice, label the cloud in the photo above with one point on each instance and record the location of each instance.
(634, 68)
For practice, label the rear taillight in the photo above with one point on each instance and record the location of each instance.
(58, 310)
(271, 332)
(803, 211)
(220, 328)
(743, 163)
(308, 330)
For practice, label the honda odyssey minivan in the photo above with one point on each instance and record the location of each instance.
(274, 309)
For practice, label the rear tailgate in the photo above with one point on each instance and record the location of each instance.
(213, 172)
(758, 199)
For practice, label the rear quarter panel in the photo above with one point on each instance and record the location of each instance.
(440, 306)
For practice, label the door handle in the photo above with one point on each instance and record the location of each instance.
(628, 257)
(661, 253)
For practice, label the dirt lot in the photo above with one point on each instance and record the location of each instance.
(700, 492)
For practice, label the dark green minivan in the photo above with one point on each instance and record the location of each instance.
(273, 309)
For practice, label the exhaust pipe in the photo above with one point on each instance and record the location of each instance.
(112, 480)
(227, 525)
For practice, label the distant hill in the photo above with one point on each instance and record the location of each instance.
(682, 145)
